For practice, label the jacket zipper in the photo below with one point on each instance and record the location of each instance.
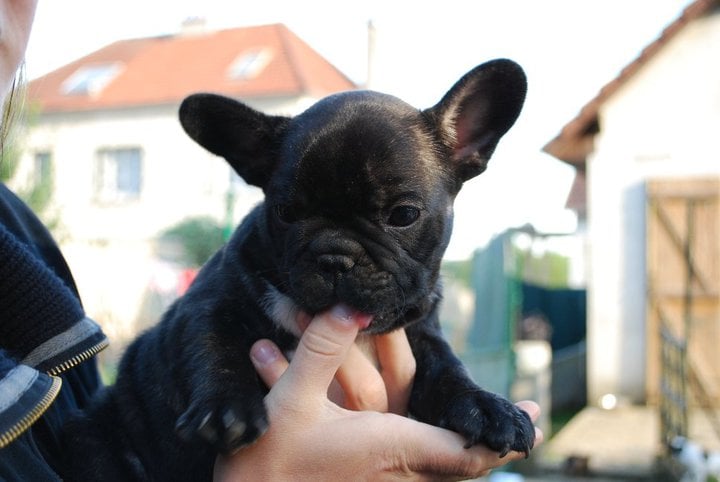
(79, 358)
(36, 412)
(25, 422)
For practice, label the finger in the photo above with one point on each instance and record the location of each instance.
(440, 453)
(397, 368)
(362, 385)
(539, 437)
(269, 362)
(321, 351)
(532, 408)
(336, 394)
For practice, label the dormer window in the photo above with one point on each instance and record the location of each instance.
(90, 79)
(249, 64)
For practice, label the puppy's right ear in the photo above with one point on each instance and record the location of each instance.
(249, 140)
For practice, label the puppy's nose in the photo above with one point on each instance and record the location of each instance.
(335, 262)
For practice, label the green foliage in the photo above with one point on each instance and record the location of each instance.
(199, 237)
(547, 269)
(460, 271)
(9, 163)
(38, 195)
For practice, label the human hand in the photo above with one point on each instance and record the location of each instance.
(312, 438)
(379, 376)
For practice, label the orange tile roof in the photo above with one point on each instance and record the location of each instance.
(165, 69)
(575, 141)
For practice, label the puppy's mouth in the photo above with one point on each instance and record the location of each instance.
(303, 319)
(383, 296)
(290, 316)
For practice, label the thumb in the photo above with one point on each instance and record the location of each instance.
(322, 349)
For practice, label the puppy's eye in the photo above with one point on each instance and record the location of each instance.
(286, 213)
(402, 216)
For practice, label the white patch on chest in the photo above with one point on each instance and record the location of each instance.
(282, 310)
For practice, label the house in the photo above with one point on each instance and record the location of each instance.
(107, 127)
(647, 153)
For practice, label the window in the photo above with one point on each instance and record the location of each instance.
(42, 168)
(90, 79)
(41, 183)
(118, 174)
(249, 64)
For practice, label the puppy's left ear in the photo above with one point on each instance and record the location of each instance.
(477, 111)
(249, 140)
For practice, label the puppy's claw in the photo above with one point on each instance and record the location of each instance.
(227, 428)
(234, 428)
(206, 429)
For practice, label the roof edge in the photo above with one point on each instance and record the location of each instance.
(575, 141)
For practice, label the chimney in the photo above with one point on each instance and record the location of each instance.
(371, 41)
(193, 26)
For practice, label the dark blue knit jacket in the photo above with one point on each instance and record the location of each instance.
(45, 340)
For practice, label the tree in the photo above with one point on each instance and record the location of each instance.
(38, 193)
(199, 238)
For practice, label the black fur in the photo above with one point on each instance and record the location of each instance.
(358, 210)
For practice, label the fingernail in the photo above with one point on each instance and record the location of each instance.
(342, 312)
(264, 353)
(303, 320)
(350, 316)
(363, 320)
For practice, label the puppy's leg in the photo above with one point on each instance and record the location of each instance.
(444, 395)
(225, 405)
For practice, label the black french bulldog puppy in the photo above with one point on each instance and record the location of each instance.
(358, 210)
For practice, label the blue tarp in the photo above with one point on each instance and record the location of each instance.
(564, 309)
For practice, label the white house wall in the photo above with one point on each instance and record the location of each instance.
(665, 122)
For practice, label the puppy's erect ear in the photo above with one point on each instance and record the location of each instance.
(477, 111)
(249, 140)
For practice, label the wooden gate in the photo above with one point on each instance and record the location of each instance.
(683, 283)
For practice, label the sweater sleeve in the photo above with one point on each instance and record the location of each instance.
(42, 322)
(44, 338)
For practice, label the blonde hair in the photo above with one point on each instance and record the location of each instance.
(12, 108)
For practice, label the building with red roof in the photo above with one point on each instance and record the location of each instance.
(106, 128)
(260, 62)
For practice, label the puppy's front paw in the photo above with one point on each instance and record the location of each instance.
(485, 418)
(226, 425)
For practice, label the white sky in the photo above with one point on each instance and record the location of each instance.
(569, 49)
